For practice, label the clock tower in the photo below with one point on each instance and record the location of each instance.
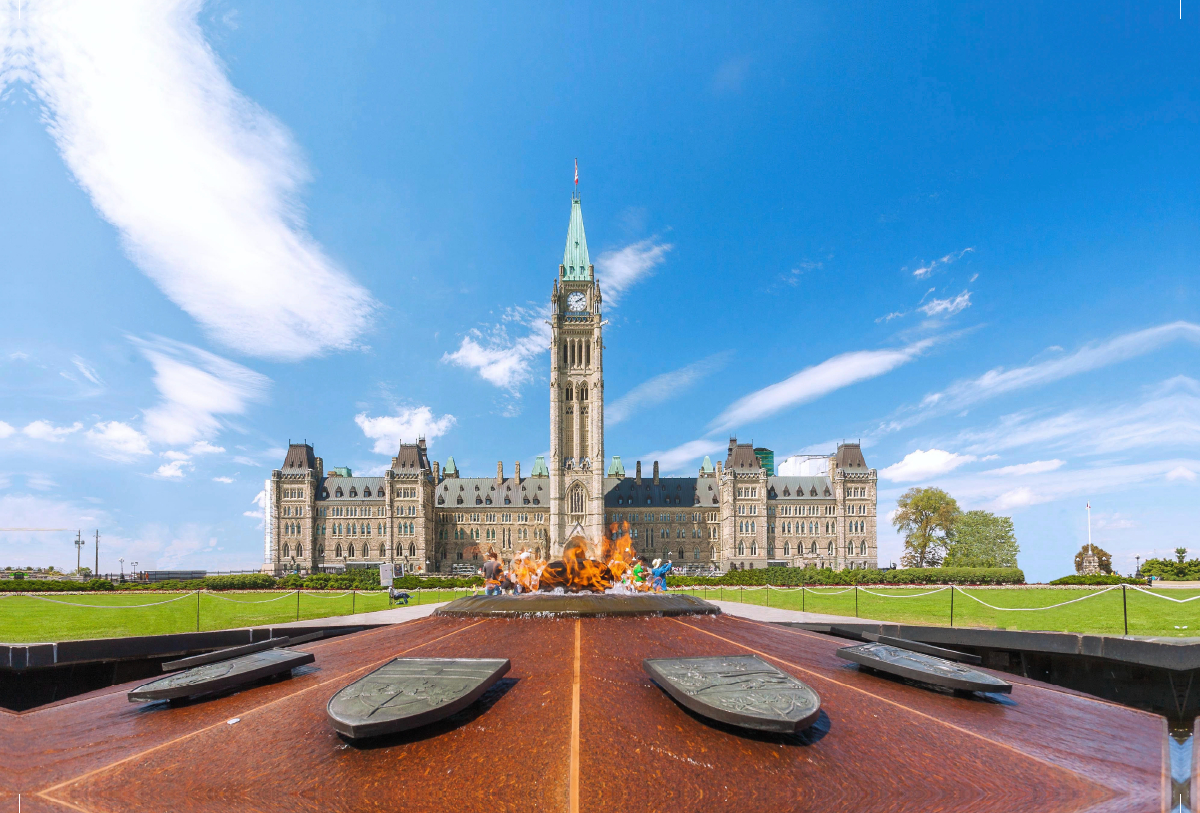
(576, 396)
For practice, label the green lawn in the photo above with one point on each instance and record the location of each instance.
(55, 617)
(1148, 615)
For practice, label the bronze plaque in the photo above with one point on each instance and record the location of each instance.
(215, 677)
(411, 692)
(923, 668)
(742, 690)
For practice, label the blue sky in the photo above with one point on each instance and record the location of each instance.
(965, 234)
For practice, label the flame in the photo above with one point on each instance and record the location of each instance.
(578, 572)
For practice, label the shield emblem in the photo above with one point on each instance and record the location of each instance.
(741, 690)
(924, 668)
(216, 677)
(411, 692)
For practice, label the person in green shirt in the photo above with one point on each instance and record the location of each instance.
(639, 573)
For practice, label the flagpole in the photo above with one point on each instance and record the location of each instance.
(1089, 513)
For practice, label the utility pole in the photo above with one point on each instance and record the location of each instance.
(79, 543)
(96, 572)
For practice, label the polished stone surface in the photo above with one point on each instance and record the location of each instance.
(578, 605)
(217, 677)
(883, 745)
(741, 690)
(411, 692)
(228, 653)
(923, 668)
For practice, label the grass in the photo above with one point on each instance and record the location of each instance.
(28, 618)
(1100, 613)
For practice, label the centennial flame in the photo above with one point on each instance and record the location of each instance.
(579, 571)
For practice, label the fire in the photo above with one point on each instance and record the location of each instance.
(578, 572)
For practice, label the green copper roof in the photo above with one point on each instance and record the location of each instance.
(615, 469)
(450, 470)
(706, 467)
(575, 259)
(539, 468)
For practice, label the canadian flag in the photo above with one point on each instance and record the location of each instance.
(577, 172)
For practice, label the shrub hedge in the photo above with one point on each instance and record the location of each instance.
(1097, 579)
(52, 585)
(816, 576)
(358, 579)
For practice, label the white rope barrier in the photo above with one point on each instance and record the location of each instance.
(113, 606)
(1165, 598)
(1033, 609)
(912, 595)
(263, 601)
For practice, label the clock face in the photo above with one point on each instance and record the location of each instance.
(577, 301)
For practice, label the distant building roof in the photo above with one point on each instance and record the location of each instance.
(685, 492)
(850, 456)
(741, 457)
(478, 493)
(362, 488)
(411, 458)
(615, 469)
(451, 470)
(706, 466)
(796, 488)
(576, 264)
(341, 471)
(539, 468)
(299, 456)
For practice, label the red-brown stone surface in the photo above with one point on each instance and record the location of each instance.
(880, 745)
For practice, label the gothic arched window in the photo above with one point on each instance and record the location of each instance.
(741, 548)
(338, 551)
(412, 549)
(285, 550)
(577, 500)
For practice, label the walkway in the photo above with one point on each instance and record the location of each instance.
(757, 612)
(396, 615)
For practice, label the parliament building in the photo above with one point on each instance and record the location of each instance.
(426, 518)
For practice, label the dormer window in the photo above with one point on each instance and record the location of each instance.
(339, 492)
(353, 492)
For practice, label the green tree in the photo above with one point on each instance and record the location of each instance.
(927, 517)
(1102, 555)
(982, 539)
(1180, 554)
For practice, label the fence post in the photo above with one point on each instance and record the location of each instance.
(801, 596)
(952, 605)
(1125, 609)
(297, 603)
(353, 596)
(197, 611)
(856, 600)
(768, 594)
(742, 595)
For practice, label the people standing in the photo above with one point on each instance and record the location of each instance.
(660, 571)
(492, 573)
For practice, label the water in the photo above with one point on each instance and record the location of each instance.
(1179, 739)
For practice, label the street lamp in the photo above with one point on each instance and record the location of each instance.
(122, 561)
(133, 570)
(1138, 559)
(79, 543)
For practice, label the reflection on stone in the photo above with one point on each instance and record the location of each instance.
(215, 677)
(924, 668)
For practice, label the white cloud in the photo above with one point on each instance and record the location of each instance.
(926, 270)
(1167, 415)
(204, 447)
(662, 387)
(222, 479)
(172, 470)
(117, 441)
(1181, 473)
(947, 307)
(44, 430)
(1016, 498)
(676, 460)
(87, 370)
(5, 429)
(389, 430)
(1090, 357)
(171, 454)
(499, 359)
(196, 386)
(200, 181)
(921, 465)
(1023, 469)
(618, 270)
(814, 382)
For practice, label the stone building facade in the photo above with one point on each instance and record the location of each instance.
(423, 518)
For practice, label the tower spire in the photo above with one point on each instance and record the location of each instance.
(576, 264)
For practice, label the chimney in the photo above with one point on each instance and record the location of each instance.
(499, 472)
(637, 477)
(720, 468)
(517, 472)
(437, 476)
(655, 472)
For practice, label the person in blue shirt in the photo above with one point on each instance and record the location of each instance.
(660, 570)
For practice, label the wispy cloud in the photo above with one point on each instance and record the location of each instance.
(928, 268)
(196, 387)
(663, 387)
(1090, 357)
(200, 181)
(44, 430)
(674, 460)
(204, 447)
(407, 424)
(619, 270)
(5, 430)
(500, 358)
(117, 441)
(173, 470)
(922, 465)
(947, 307)
(1026, 469)
(223, 480)
(814, 382)
(87, 370)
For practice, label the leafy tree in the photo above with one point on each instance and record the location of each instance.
(1170, 570)
(1102, 555)
(1180, 554)
(927, 517)
(982, 539)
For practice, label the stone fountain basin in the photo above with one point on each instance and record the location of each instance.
(578, 605)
